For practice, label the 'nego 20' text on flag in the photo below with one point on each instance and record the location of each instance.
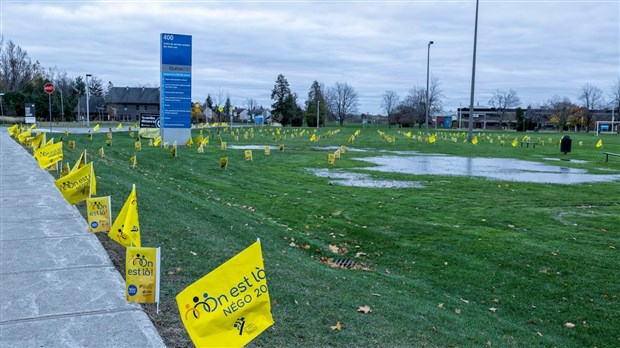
(230, 306)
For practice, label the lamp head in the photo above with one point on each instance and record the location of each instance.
(430, 43)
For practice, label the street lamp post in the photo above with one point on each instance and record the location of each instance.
(2, 108)
(428, 59)
(62, 106)
(318, 119)
(87, 101)
(470, 136)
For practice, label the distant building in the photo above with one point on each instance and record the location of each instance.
(128, 103)
(96, 106)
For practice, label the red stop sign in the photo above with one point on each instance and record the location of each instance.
(48, 88)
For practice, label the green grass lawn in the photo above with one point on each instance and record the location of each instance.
(463, 261)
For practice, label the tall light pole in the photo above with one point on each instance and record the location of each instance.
(87, 101)
(318, 119)
(62, 106)
(470, 136)
(428, 60)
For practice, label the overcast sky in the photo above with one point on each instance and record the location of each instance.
(539, 48)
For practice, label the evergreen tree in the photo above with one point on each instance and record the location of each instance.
(209, 102)
(282, 109)
(315, 96)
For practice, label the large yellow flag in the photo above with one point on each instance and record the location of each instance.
(78, 185)
(126, 227)
(81, 162)
(230, 306)
(38, 141)
(23, 136)
(13, 130)
(48, 155)
(599, 143)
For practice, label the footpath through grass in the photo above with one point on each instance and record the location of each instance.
(463, 261)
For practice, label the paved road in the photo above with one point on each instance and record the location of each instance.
(58, 287)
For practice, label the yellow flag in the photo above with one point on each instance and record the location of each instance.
(599, 143)
(248, 155)
(223, 146)
(230, 306)
(96, 127)
(138, 145)
(48, 155)
(38, 141)
(331, 159)
(33, 126)
(173, 151)
(119, 127)
(432, 139)
(77, 185)
(23, 136)
(126, 227)
(157, 141)
(267, 150)
(201, 149)
(99, 215)
(313, 138)
(65, 169)
(514, 142)
(134, 161)
(474, 140)
(224, 162)
(81, 162)
(13, 130)
(142, 274)
(189, 142)
(205, 141)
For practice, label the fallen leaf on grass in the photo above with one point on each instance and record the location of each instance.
(292, 244)
(364, 309)
(360, 254)
(538, 334)
(440, 306)
(495, 300)
(193, 253)
(334, 248)
(493, 309)
(378, 295)
(464, 301)
(457, 311)
(337, 327)
(569, 325)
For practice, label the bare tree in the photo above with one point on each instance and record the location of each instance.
(502, 101)
(389, 102)
(592, 98)
(251, 104)
(16, 68)
(561, 109)
(342, 101)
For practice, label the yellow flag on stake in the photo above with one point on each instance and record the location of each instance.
(599, 143)
(13, 130)
(81, 162)
(230, 306)
(157, 141)
(48, 155)
(474, 140)
(78, 185)
(99, 214)
(126, 227)
(142, 274)
(119, 127)
(23, 135)
(514, 142)
(96, 127)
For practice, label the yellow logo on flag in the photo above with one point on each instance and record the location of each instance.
(99, 215)
(49, 154)
(126, 227)
(77, 185)
(229, 306)
(141, 275)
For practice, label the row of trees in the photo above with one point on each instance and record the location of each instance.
(22, 81)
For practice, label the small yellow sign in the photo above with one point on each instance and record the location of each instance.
(142, 274)
(99, 215)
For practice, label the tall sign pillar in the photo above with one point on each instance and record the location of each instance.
(176, 87)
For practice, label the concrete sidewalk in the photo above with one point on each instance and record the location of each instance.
(58, 287)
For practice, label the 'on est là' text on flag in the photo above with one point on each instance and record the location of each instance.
(78, 185)
(230, 306)
(49, 154)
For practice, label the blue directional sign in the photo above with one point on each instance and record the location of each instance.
(176, 81)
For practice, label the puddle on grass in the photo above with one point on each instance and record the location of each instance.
(251, 147)
(339, 177)
(505, 169)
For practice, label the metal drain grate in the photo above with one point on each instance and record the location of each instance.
(344, 263)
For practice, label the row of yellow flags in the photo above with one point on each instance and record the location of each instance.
(228, 315)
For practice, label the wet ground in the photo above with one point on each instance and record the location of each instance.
(506, 169)
(344, 178)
